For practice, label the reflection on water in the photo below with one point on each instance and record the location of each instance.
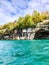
(24, 52)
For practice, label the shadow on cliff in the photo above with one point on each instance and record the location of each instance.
(41, 34)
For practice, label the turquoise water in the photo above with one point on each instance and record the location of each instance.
(24, 52)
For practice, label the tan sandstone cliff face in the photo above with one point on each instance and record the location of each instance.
(42, 23)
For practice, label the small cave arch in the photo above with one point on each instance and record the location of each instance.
(41, 34)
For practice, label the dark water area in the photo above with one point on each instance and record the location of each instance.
(24, 52)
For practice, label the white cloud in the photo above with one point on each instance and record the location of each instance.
(47, 7)
(44, 1)
(12, 9)
(4, 18)
(7, 6)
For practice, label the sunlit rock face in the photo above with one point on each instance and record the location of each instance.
(44, 22)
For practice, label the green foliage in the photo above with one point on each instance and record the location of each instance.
(36, 17)
(20, 22)
(26, 21)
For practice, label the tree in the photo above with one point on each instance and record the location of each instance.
(28, 22)
(20, 22)
(36, 17)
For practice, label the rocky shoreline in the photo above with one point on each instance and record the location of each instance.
(41, 31)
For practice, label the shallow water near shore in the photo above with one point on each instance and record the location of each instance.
(24, 52)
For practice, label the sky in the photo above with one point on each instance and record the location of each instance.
(10, 10)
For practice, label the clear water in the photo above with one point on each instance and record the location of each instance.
(24, 52)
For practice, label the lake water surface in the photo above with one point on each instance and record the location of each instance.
(24, 52)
